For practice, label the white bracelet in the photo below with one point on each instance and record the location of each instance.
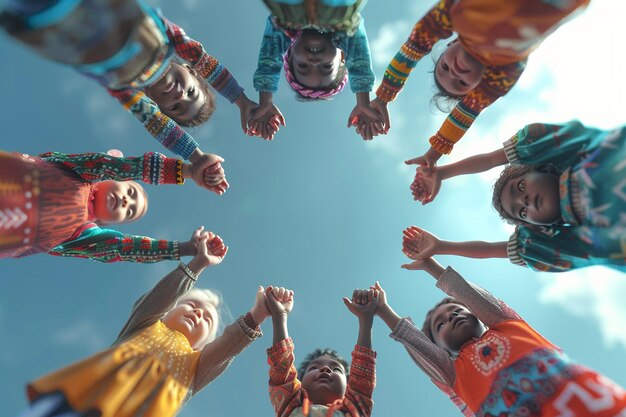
(188, 271)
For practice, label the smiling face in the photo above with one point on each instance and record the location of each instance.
(315, 59)
(178, 93)
(457, 71)
(324, 380)
(118, 202)
(195, 317)
(532, 198)
(452, 325)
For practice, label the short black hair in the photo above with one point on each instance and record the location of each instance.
(426, 328)
(322, 352)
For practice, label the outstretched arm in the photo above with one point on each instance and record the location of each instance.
(151, 168)
(418, 244)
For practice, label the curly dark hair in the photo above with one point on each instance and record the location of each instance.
(207, 109)
(511, 172)
(429, 316)
(322, 352)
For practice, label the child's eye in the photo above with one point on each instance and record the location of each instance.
(522, 213)
(327, 66)
(191, 91)
(463, 83)
(338, 370)
(129, 214)
(521, 185)
(174, 107)
(444, 66)
(302, 65)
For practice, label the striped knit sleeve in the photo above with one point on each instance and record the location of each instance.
(151, 168)
(495, 83)
(207, 66)
(358, 400)
(106, 245)
(160, 126)
(433, 26)
(285, 388)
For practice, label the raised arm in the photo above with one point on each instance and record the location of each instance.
(217, 355)
(435, 25)
(154, 304)
(151, 168)
(418, 244)
(430, 358)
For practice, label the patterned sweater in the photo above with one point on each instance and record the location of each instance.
(290, 399)
(502, 53)
(160, 126)
(106, 245)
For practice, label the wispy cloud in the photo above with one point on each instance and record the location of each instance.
(388, 40)
(84, 333)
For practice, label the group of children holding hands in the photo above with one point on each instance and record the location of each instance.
(562, 186)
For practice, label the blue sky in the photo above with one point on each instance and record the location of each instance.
(317, 209)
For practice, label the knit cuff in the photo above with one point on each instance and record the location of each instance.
(280, 347)
(252, 332)
(510, 149)
(387, 93)
(512, 250)
(441, 144)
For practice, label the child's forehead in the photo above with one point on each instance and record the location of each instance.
(198, 301)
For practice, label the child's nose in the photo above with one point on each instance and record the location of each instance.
(326, 369)
(124, 201)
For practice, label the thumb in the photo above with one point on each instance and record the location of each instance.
(413, 161)
(406, 266)
(347, 302)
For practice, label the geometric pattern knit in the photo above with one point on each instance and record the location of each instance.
(290, 399)
(592, 197)
(160, 126)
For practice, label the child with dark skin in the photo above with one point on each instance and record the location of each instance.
(490, 362)
(325, 387)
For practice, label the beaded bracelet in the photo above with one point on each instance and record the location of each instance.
(188, 271)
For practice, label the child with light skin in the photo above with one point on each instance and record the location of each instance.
(320, 44)
(494, 41)
(562, 189)
(322, 386)
(56, 203)
(166, 352)
(146, 62)
(490, 362)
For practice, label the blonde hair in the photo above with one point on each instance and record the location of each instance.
(213, 298)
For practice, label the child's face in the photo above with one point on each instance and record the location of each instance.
(315, 59)
(453, 325)
(532, 198)
(457, 71)
(324, 380)
(178, 93)
(193, 317)
(118, 202)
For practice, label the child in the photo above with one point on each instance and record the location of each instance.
(56, 202)
(495, 39)
(146, 62)
(324, 388)
(563, 190)
(166, 352)
(320, 44)
(490, 362)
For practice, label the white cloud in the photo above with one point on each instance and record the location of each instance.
(388, 41)
(592, 292)
(84, 333)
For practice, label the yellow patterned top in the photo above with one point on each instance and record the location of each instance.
(149, 374)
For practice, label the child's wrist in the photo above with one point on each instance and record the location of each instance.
(257, 315)
(187, 170)
(196, 155)
(362, 98)
(265, 97)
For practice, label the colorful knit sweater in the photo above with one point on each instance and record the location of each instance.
(503, 51)
(106, 245)
(160, 126)
(290, 399)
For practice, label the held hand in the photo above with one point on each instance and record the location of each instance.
(381, 107)
(418, 244)
(210, 248)
(382, 296)
(363, 304)
(207, 172)
(369, 123)
(425, 187)
(428, 160)
(265, 121)
(259, 310)
(246, 107)
(279, 301)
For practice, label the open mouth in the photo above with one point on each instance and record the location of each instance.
(314, 50)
